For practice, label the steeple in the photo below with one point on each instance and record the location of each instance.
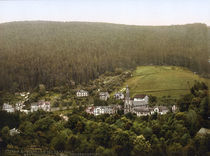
(127, 97)
(127, 103)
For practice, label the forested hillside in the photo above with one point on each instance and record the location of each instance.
(59, 53)
(209, 41)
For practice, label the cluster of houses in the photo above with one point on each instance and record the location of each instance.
(102, 95)
(138, 105)
(18, 107)
(43, 105)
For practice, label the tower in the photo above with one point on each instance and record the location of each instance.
(127, 102)
(127, 96)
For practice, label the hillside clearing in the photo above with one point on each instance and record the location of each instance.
(162, 81)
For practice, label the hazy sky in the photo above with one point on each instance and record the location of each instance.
(137, 12)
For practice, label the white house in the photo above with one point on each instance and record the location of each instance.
(140, 100)
(64, 117)
(25, 95)
(160, 110)
(203, 132)
(34, 106)
(24, 111)
(145, 110)
(99, 110)
(142, 111)
(13, 132)
(119, 95)
(82, 93)
(104, 96)
(89, 110)
(19, 105)
(141, 97)
(44, 105)
(8, 108)
(112, 109)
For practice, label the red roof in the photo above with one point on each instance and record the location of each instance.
(139, 96)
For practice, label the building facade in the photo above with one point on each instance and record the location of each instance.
(8, 108)
(43, 105)
(104, 96)
(99, 110)
(119, 96)
(140, 100)
(82, 93)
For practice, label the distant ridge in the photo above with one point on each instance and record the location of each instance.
(49, 21)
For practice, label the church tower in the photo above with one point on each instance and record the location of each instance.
(127, 96)
(127, 102)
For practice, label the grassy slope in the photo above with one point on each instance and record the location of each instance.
(162, 81)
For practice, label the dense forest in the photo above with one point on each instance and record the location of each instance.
(61, 53)
(209, 41)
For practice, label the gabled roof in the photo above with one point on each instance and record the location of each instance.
(14, 131)
(34, 104)
(142, 109)
(47, 103)
(139, 96)
(82, 91)
(136, 103)
(163, 108)
(203, 131)
(42, 102)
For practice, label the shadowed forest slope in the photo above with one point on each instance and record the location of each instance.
(61, 53)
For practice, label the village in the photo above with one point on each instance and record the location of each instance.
(138, 105)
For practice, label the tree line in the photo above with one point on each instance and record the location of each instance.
(64, 53)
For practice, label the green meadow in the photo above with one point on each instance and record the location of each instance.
(162, 81)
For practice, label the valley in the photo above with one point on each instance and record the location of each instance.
(107, 89)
